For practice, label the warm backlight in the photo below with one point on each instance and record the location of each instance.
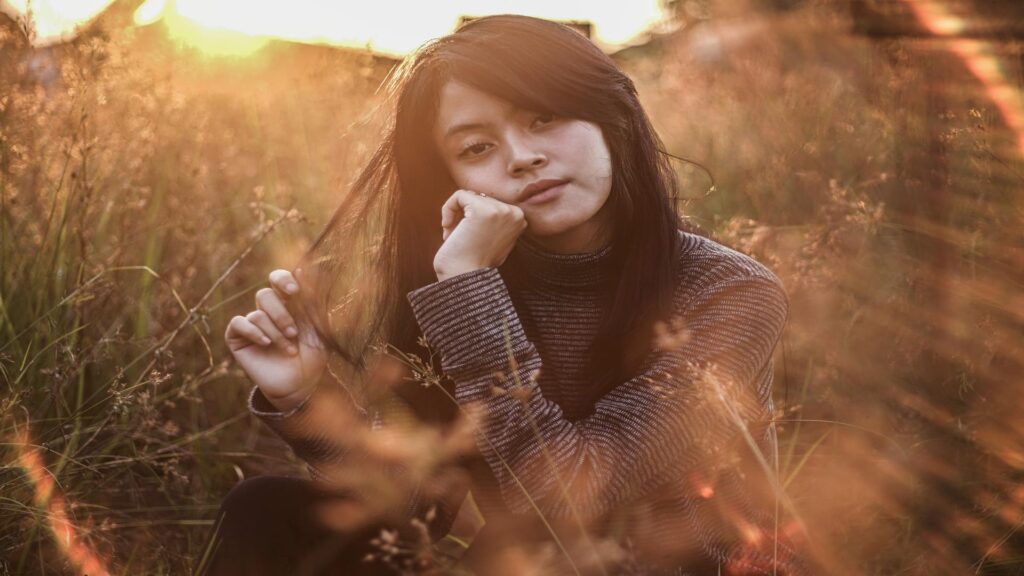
(240, 27)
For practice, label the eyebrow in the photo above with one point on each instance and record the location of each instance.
(466, 127)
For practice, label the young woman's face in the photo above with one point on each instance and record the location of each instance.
(492, 147)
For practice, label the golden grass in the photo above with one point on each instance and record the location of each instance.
(147, 191)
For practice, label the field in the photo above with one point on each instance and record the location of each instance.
(147, 190)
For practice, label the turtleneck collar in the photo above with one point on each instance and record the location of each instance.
(582, 270)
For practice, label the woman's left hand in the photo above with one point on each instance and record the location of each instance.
(484, 236)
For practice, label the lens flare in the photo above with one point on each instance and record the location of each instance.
(46, 497)
(979, 57)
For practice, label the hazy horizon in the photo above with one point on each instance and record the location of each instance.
(368, 25)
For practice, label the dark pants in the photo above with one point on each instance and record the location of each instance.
(272, 525)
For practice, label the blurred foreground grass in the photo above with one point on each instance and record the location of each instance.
(147, 191)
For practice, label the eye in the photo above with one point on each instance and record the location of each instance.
(473, 149)
(543, 120)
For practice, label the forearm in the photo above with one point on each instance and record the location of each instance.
(319, 427)
(684, 405)
(637, 438)
(344, 446)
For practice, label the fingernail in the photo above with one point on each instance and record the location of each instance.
(292, 350)
(292, 287)
(264, 340)
(291, 332)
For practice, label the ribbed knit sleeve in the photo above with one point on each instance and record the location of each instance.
(319, 431)
(315, 429)
(693, 396)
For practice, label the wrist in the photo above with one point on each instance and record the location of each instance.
(292, 400)
(444, 273)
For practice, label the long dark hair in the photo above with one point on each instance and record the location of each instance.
(380, 243)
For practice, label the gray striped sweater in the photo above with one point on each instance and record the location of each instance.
(655, 457)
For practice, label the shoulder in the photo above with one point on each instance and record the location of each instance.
(704, 265)
(706, 262)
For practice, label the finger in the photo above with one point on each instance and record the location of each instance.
(458, 205)
(264, 323)
(240, 333)
(268, 300)
(284, 282)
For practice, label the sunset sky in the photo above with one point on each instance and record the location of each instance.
(394, 26)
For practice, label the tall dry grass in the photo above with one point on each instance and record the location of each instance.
(145, 193)
(147, 190)
(883, 184)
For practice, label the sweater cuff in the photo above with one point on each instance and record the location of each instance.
(317, 428)
(265, 410)
(470, 320)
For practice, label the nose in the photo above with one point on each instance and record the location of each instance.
(524, 156)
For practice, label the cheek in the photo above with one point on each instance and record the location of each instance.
(457, 177)
(592, 150)
(602, 159)
(597, 162)
(462, 177)
(600, 182)
(481, 177)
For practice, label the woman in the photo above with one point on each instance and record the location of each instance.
(543, 302)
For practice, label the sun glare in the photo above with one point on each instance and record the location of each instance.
(56, 18)
(208, 37)
(391, 26)
(150, 12)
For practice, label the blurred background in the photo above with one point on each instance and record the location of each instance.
(157, 159)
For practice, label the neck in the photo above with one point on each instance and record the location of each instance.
(540, 266)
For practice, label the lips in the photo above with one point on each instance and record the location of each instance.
(538, 187)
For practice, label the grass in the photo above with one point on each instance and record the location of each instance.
(146, 191)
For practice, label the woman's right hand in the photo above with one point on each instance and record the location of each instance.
(283, 357)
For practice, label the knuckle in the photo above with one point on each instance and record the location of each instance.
(256, 316)
(263, 294)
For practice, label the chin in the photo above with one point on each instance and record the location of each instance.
(538, 228)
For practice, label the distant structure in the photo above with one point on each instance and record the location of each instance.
(582, 26)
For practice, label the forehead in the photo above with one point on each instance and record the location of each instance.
(461, 106)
